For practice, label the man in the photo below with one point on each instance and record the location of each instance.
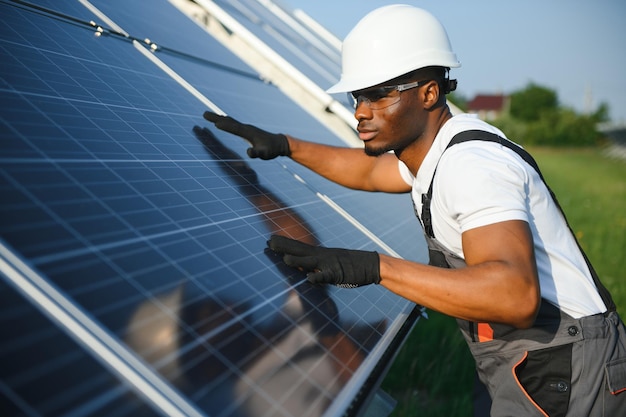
(543, 330)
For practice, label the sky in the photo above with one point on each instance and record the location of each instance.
(575, 47)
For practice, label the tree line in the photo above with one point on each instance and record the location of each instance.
(535, 117)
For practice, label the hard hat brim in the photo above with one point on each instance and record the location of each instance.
(346, 86)
(349, 84)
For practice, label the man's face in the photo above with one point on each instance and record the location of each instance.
(385, 127)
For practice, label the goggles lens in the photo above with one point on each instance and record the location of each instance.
(381, 97)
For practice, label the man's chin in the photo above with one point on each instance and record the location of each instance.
(374, 151)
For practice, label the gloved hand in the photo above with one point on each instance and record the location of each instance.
(265, 145)
(342, 267)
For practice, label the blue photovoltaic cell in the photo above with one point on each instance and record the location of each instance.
(117, 195)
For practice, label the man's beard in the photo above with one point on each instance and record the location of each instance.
(397, 148)
(375, 152)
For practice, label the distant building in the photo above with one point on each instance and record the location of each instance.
(489, 107)
(616, 133)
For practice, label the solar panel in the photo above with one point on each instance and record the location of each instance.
(304, 49)
(136, 278)
(298, 59)
(46, 372)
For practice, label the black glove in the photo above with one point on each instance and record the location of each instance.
(265, 145)
(342, 267)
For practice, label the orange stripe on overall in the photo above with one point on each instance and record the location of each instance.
(485, 332)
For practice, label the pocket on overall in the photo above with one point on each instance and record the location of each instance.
(615, 368)
(545, 376)
(616, 376)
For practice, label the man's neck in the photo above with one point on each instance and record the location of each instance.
(414, 155)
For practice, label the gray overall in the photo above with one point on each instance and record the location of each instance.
(561, 366)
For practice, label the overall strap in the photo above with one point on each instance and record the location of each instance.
(492, 137)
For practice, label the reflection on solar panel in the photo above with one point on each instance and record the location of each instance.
(135, 275)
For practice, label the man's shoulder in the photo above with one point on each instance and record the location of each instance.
(465, 122)
(453, 126)
(474, 146)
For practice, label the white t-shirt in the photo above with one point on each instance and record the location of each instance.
(480, 183)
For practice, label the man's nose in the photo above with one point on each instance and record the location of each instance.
(362, 110)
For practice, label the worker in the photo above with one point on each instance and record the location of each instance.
(543, 330)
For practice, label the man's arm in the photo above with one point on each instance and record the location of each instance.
(500, 283)
(349, 167)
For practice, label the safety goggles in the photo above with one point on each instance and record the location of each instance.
(381, 97)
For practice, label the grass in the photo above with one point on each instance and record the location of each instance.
(432, 374)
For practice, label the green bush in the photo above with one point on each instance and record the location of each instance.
(533, 102)
(535, 118)
(563, 128)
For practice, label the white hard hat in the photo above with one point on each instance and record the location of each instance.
(392, 41)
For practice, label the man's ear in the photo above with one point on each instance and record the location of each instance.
(431, 94)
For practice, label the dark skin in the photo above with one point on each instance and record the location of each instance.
(500, 257)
